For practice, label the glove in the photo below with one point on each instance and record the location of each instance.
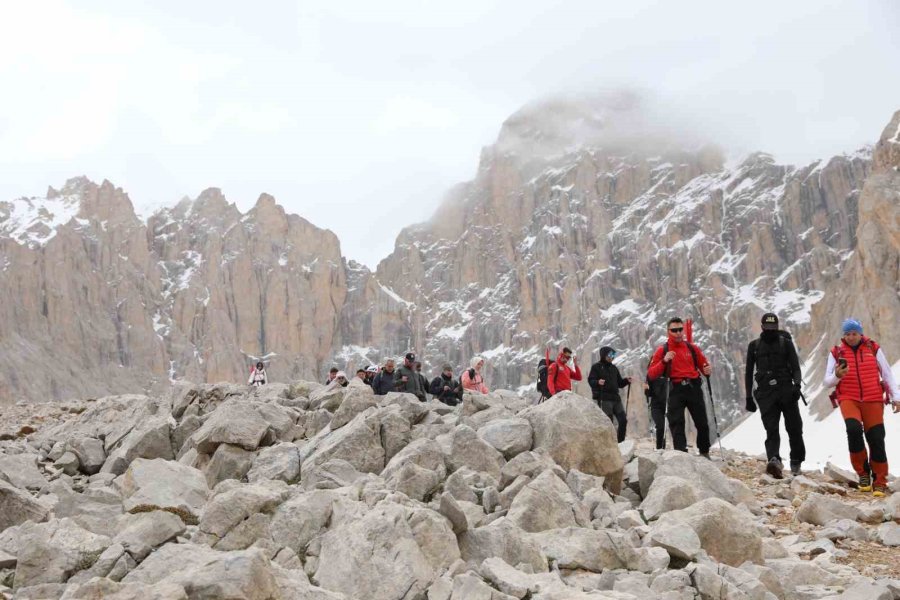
(751, 405)
(796, 392)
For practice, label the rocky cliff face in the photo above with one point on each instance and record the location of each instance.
(582, 226)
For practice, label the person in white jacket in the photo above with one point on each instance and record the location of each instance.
(258, 375)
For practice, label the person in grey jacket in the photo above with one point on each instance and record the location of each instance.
(406, 379)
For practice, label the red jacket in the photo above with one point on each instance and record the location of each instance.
(560, 376)
(862, 382)
(682, 366)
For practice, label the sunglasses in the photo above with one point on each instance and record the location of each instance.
(677, 329)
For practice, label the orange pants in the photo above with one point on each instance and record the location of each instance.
(866, 419)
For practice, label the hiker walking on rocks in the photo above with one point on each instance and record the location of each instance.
(371, 371)
(423, 381)
(406, 379)
(682, 364)
(331, 375)
(383, 382)
(472, 379)
(606, 381)
(861, 375)
(774, 359)
(258, 377)
(445, 388)
(560, 374)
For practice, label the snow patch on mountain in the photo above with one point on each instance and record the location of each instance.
(33, 222)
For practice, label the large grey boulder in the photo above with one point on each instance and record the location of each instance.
(163, 484)
(90, 452)
(819, 510)
(728, 534)
(677, 538)
(52, 552)
(358, 442)
(356, 400)
(228, 462)
(207, 573)
(702, 474)
(379, 556)
(547, 503)
(107, 589)
(417, 470)
(149, 438)
(579, 548)
(530, 464)
(96, 509)
(463, 448)
(18, 506)
(888, 534)
(301, 518)
(21, 471)
(234, 422)
(281, 461)
(668, 493)
(503, 539)
(577, 435)
(239, 506)
(510, 436)
(140, 533)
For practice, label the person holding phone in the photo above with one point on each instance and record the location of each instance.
(560, 374)
(860, 373)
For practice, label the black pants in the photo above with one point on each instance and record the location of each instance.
(658, 414)
(688, 397)
(774, 402)
(614, 408)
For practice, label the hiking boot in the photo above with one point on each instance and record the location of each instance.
(795, 467)
(879, 490)
(775, 468)
(865, 483)
(706, 455)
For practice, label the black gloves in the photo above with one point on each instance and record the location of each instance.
(751, 405)
(796, 391)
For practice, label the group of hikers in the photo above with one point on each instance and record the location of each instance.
(856, 368)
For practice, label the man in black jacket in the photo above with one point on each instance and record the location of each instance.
(406, 379)
(605, 381)
(384, 380)
(445, 388)
(777, 367)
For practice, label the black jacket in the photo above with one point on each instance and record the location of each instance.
(383, 383)
(613, 381)
(773, 360)
(453, 396)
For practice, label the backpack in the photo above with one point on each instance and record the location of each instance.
(542, 379)
(765, 371)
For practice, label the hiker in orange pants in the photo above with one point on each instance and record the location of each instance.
(862, 376)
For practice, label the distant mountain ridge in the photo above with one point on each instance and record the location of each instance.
(588, 243)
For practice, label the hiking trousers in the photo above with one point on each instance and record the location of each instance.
(658, 414)
(773, 403)
(614, 408)
(866, 418)
(690, 397)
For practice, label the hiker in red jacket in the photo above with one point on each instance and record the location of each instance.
(560, 374)
(862, 376)
(683, 363)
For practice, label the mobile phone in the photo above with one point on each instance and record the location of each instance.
(842, 362)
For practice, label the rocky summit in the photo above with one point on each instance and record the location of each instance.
(582, 226)
(292, 491)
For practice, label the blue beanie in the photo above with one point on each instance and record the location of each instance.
(851, 325)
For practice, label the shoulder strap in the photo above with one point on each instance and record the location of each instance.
(694, 356)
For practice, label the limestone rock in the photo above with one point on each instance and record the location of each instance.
(90, 452)
(504, 540)
(547, 503)
(21, 471)
(281, 461)
(163, 484)
(510, 436)
(466, 449)
(668, 493)
(358, 442)
(140, 533)
(819, 510)
(17, 506)
(233, 422)
(577, 435)
(228, 462)
(51, 552)
(725, 532)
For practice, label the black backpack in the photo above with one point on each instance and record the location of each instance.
(772, 364)
(542, 387)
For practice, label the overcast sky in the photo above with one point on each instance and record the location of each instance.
(358, 115)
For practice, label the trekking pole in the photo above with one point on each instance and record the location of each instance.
(715, 420)
(627, 397)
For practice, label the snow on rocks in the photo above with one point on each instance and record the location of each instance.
(217, 491)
